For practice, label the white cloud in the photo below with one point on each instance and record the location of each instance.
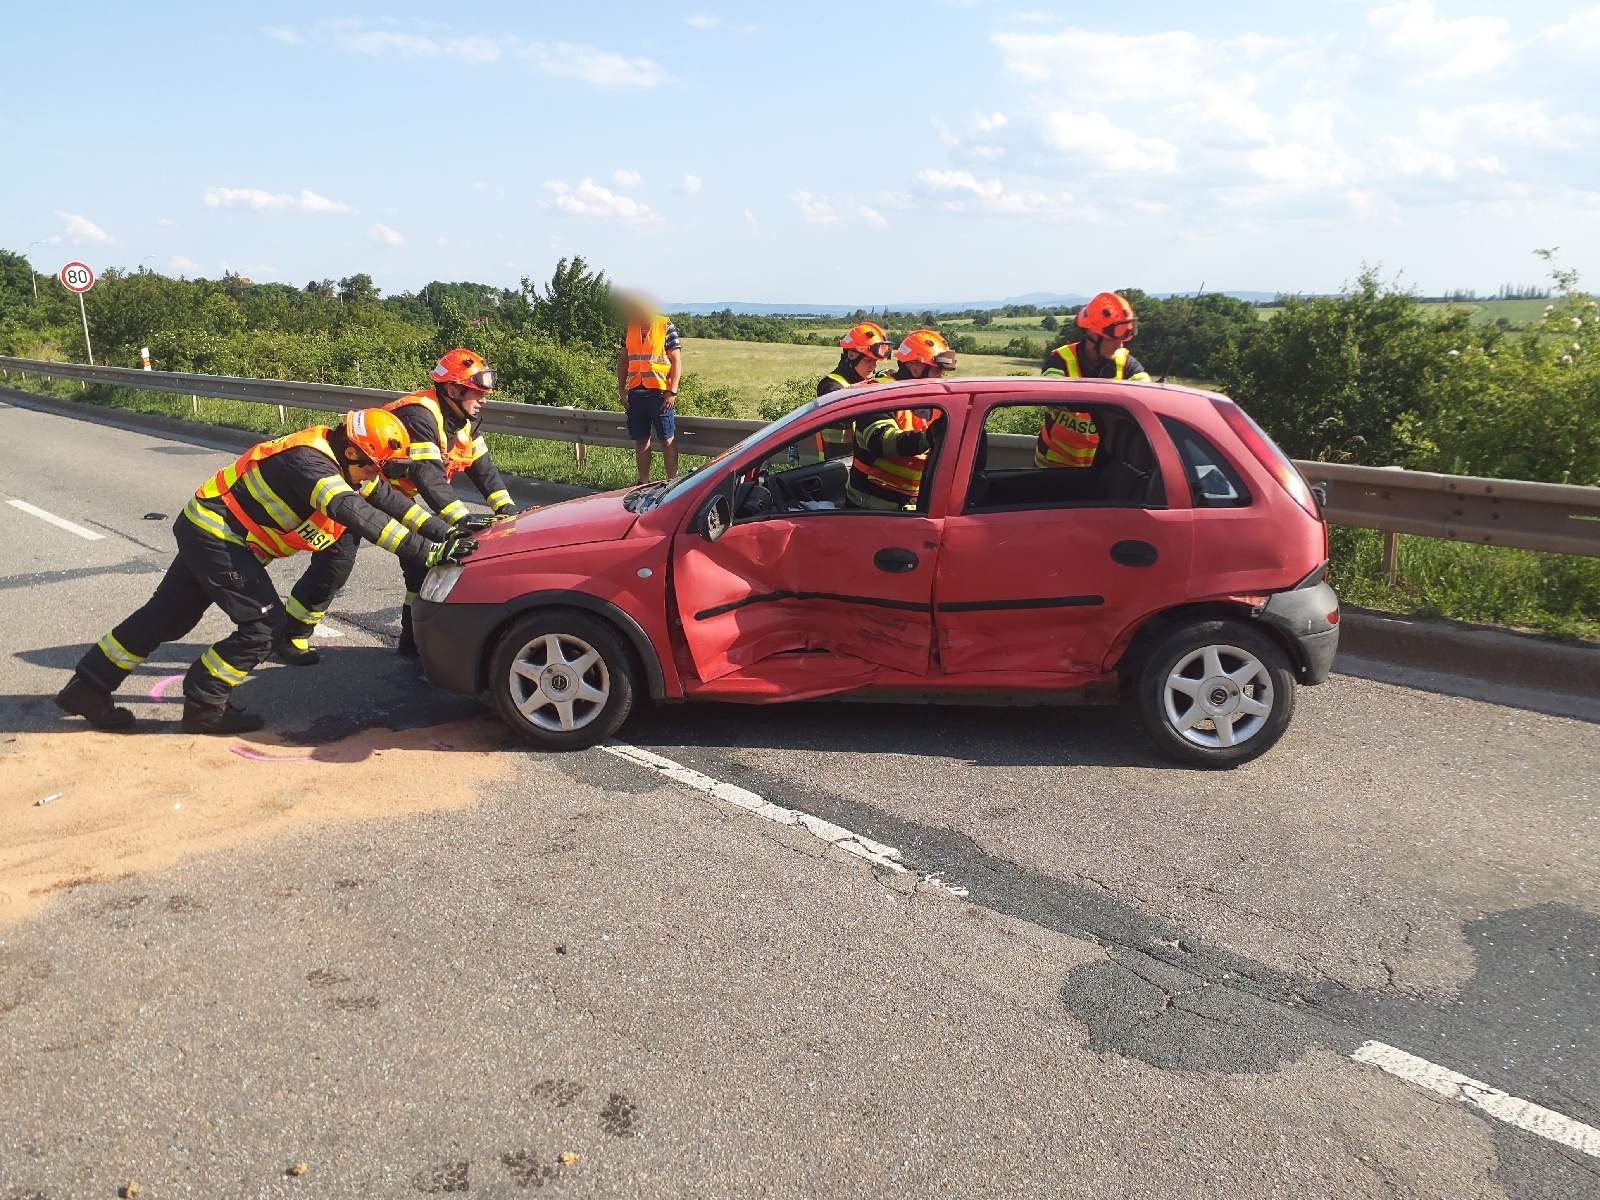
(1439, 48)
(750, 219)
(282, 33)
(306, 201)
(818, 210)
(184, 265)
(961, 191)
(165, 223)
(874, 218)
(692, 184)
(572, 60)
(1579, 33)
(389, 237)
(1091, 136)
(627, 179)
(443, 241)
(705, 21)
(83, 232)
(592, 201)
(594, 65)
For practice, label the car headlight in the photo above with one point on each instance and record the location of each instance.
(439, 582)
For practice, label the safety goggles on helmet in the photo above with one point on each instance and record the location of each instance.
(878, 350)
(1120, 331)
(482, 380)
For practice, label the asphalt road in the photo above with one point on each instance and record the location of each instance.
(1096, 975)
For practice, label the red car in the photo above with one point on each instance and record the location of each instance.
(1184, 563)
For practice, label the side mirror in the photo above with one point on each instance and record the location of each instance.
(715, 517)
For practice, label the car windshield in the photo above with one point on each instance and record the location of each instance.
(652, 495)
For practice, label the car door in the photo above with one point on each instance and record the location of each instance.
(851, 586)
(1041, 569)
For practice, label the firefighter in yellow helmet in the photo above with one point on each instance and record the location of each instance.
(891, 453)
(299, 492)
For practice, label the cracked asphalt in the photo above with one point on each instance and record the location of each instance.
(603, 984)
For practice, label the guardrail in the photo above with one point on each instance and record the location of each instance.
(1557, 518)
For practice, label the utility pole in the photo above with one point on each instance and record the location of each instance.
(33, 276)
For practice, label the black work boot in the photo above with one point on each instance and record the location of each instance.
(224, 719)
(84, 699)
(297, 652)
(408, 639)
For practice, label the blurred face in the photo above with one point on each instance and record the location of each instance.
(922, 370)
(359, 468)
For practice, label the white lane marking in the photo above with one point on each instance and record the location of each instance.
(1500, 1105)
(837, 836)
(59, 522)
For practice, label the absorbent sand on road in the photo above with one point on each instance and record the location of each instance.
(128, 803)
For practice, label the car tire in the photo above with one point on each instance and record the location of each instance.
(563, 679)
(1215, 693)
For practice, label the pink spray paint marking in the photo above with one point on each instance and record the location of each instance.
(257, 756)
(159, 690)
(438, 745)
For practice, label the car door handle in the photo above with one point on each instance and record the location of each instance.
(895, 560)
(1135, 554)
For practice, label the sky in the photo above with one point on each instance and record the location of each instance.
(820, 153)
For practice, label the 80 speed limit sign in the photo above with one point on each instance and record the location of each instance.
(77, 277)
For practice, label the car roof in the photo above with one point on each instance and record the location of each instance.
(1167, 397)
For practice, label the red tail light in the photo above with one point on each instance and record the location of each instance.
(1268, 454)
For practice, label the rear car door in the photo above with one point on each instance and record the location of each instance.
(801, 570)
(1041, 569)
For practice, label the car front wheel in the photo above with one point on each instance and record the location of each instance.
(562, 679)
(1215, 693)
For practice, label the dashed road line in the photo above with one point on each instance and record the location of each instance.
(1452, 1085)
(837, 836)
(59, 522)
(1419, 1072)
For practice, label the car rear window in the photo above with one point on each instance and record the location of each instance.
(1213, 483)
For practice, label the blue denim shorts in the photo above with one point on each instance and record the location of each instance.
(644, 414)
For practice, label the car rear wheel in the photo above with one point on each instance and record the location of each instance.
(562, 679)
(1215, 693)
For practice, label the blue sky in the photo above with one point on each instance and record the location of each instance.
(829, 153)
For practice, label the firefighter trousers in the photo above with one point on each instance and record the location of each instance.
(207, 571)
(313, 593)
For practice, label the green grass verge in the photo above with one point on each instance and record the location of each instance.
(1556, 594)
(1551, 593)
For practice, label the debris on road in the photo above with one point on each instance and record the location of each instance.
(566, 1158)
(298, 1169)
(47, 799)
(130, 1191)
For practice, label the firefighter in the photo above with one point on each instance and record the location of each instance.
(891, 453)
(1068, 438)
(442, 422)
(862, 348)
(299, 492)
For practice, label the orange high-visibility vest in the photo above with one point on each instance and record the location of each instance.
(288, 534)
(897, 473)
(464, 449)
(1067, 438)
(648, 364)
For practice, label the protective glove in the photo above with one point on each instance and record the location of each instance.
(936, 429)
(476, 523)
(450, 551)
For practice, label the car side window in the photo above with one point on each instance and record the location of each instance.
(1213, 483)
(880, 461)
(1063, 456)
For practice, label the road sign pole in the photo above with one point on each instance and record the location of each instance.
(84, 313)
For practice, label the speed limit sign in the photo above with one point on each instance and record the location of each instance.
(77, 277)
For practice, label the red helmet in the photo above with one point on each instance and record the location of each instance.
(466, 368)
(1108, 315)
(926, 346)
(867, 338)
(377, 433)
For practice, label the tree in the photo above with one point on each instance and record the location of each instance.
(357, 289)
(576, 306)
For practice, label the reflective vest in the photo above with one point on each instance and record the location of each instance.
(1067, 438)
(833, 442)
(287, 534)
(648, 364)
(464, 449)
(900, 474)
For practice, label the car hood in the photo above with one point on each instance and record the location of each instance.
(600, 518)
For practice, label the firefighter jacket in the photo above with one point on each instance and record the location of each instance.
(289, 495)
(443, 445)
(891, 454)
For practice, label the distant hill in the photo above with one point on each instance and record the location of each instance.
(745, 308)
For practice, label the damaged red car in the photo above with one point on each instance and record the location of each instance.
(1179, 562)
